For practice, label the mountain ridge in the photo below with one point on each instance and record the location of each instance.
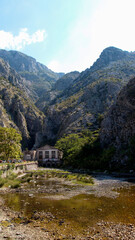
(76, 100)
(38, 78)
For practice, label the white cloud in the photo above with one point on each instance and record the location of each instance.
(9, 41)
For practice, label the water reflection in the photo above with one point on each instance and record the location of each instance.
(81, 208)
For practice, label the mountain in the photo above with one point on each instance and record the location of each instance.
(108, 55)
(118, 127)
(65, 81)
(16, 109)
(61, 84)
(85, 101)
(38, 77)
(45, 105)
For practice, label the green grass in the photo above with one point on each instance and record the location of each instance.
(68, 176)
(10, 181)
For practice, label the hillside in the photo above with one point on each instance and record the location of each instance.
(39, 78)
(118, 127)
(16, 109)
(71, 103)
(58, 88)
(86, 100)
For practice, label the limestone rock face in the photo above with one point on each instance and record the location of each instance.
(65, 81)
(21, 62)
(61, 84)
(118, 127)
(108, 55)
(89, 95)
(38, 78)
(16, 109)
(64, 103)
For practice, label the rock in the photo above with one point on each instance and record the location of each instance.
(118, 127)
(83, 103)
(30, 195)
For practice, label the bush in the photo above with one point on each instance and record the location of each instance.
(83, 150)
(2, 182)
(10, 180)
(15, 184)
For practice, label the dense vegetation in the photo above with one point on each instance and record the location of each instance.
(10, 147)
(83, 150)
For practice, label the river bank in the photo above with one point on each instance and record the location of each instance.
(28, 231)
(66, 222)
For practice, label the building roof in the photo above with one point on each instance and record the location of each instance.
(47, 147)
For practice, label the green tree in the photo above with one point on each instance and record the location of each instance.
(76, 148)
(10, 147)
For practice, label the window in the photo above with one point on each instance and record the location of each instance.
(53, 154)
(46, 154)
(40, 155)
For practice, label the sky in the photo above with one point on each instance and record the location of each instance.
(66, 35)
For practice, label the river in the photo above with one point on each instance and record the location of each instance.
(75, 211)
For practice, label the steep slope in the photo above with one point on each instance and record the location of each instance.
(61, 84)
(75, 101)
(39, 77)
(112, 62)
(119, 124)
(118, 127)
(65, 81)
(108, 55)
(16, 110)
(82, 104)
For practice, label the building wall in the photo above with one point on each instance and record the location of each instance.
(50, 153)
(29, 155)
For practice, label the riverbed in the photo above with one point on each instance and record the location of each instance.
(59, 209)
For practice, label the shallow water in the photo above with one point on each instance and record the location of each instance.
(76, 213)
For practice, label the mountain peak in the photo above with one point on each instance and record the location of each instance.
(109, 54)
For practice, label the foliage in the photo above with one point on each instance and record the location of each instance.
(131, 153)
(10, 147)
(77, 147)
(67, 175)
(83, 150)
(100, 118)
(106, 156)
(69, 102)
(10, 181)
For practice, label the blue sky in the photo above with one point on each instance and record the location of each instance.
(66, 35)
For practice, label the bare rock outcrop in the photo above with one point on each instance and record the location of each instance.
(118, 127)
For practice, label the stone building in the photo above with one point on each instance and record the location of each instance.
(48, 156)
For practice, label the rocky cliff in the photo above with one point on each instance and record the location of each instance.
(71, 103)
(16, 109)
(119, 124)
(118, 127)
(57, 90)
(84, 102)
(38, 78)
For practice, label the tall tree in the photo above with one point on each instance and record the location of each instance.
(10, 146)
